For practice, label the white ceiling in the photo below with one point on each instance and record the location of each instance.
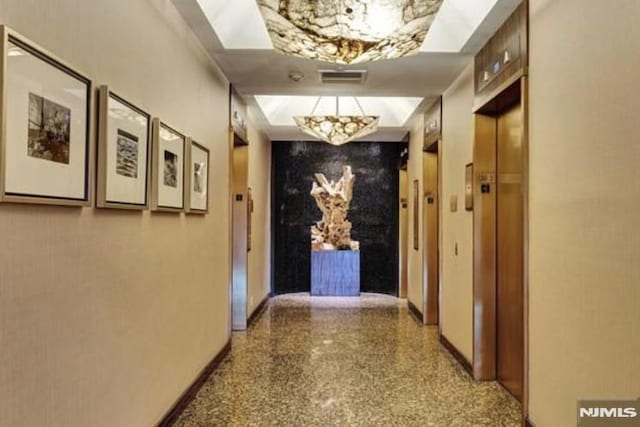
(235, 35)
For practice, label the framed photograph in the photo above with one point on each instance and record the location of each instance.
(46, 120)
(169, 149)
(197, 188)
(416, 214)
(123, 153)
(468, 187)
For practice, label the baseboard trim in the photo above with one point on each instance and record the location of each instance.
(258, 311)
(414, 310)
(190, 393)
(456, 354)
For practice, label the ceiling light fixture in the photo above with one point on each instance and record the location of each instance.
(348, 31)
(337, 130)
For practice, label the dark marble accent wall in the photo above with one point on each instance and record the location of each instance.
(374, 210)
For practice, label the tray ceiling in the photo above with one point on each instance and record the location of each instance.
(235, 35)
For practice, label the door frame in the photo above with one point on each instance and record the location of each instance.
(428, 317)
(484, 233)
(500, 64)
(432, 143)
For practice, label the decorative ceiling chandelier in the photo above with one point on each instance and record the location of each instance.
(337, 130)
(348, 31)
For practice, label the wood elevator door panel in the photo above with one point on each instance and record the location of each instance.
(404, 234)
(510, 229)
(239, 250)
(430, 266)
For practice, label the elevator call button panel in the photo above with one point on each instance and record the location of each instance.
(486, 179)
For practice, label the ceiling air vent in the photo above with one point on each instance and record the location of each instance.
(336, 76)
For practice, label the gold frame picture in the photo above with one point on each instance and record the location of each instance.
(120, 178)
(189, 180)
(163, 198)
(46, 105)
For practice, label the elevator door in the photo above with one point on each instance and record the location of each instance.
(430, 263)
(239, 288)
(510, 220)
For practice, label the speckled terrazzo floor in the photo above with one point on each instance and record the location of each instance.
(344, 361)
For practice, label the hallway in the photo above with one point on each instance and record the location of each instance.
(166, 166)
(344, 361)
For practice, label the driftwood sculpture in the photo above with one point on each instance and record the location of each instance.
(333, 232)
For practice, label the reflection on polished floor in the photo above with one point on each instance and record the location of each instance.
(344, 361)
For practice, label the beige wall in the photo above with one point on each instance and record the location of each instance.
(456, 298)
(107, 316)
(414, 171)
(585, 198)
(259, 269)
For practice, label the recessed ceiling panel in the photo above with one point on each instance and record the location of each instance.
(237, 23)
(280, 110)
(338, 130)
(456, 22)
(348, 31)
